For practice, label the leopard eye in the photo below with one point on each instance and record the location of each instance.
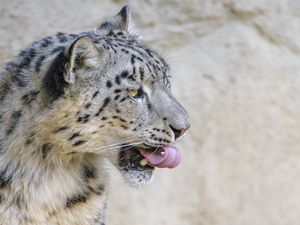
(135, 93)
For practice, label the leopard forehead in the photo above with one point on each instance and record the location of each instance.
(126, 52)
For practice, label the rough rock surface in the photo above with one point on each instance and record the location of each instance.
(236, 68)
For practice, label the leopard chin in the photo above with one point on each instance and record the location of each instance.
(134, 173)
(137, 163)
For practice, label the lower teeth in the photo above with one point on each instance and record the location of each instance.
(143, 162)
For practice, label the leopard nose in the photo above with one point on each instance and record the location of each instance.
(179, 132)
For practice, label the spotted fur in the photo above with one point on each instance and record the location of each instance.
(65, 109)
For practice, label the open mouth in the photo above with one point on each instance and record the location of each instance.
(147, 158)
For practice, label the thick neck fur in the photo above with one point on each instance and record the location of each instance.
(35, 167)
(36, 172)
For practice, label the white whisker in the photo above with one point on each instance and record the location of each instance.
(117, 147)
(117, 144)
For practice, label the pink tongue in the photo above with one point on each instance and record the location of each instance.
(170, 159)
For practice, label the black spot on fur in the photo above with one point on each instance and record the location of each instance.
(18, 78)
(46, 149)
(122, 120)
(4, 90)
(105, 103)
(117, 80)
(39, 62)
(61, 129)
(123, 99)
(131, 78)
(88, 105)
(140, 59)
(14, 119)
(60, 49)
(111, 33)
(116, 97)
(74, 136)
(124, 74)
(119, 118)
(104, 118)
(30, 97)
(95, 94)
(5, 177)
(132, 60)
(84, 119)
(54, 82)
(124, 50)
(77, 198)
(117, 91)
(62, 37)
(89, 172)
(80, 142)
(108, 84)
(125, 127)
(46, 42)
(98, 190)
(30, 139)
(141, 70)
(1, 198)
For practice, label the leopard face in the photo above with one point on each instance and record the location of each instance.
(117, 100)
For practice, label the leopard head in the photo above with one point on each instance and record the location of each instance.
(117, 100)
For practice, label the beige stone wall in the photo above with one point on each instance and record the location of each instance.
(236, 68)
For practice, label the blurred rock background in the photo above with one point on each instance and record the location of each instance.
(236, 68)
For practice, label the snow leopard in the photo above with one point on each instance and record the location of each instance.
(71, 103)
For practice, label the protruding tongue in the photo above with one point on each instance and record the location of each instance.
(169, 157)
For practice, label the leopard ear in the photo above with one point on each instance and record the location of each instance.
(118, 22)
(82, 55)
